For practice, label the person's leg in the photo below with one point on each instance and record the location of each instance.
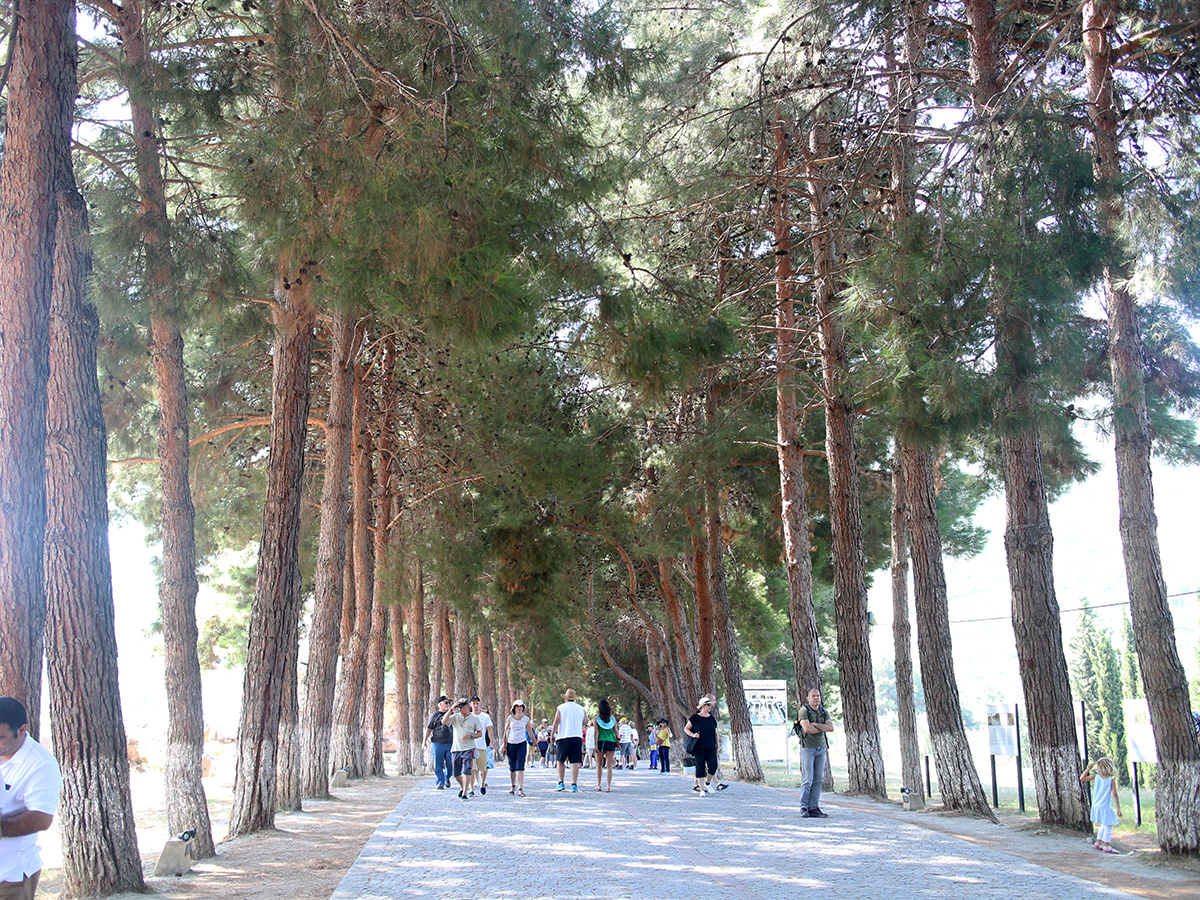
(664, 759)
(562, 770)
(612, 764)
(444, 756)
(807, 776)
(818, 777)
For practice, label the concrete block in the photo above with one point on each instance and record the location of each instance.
(176, 858)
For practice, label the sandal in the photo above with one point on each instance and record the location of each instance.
(1108, 848)
(520, 792)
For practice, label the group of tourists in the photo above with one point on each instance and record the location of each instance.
(461, 737)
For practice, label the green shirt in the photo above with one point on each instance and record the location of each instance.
(816, 716)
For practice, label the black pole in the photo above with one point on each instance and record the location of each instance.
(1020, 776)
(1137, 796)
(928, 782)
(995, 795)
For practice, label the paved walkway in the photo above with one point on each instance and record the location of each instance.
(652, 837)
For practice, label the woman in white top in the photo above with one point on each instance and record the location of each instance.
(518, 731)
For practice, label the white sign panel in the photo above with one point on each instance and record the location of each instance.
(767, 700)
(1139, 736)
(1002, 729)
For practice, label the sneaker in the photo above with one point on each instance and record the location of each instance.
(472, 793)
(462, 796)
(574, 789)
(441, 787)
(817, 814)
(711, 788)
(702, 795)
(561, 787)
(805, 814)
(483, 789)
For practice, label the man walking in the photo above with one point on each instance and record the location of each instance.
(439, 739)
(31, 783)
(567, 732)
(465, 727)
(481, 745)
(813, 727)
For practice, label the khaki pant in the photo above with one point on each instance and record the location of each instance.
(20, 890)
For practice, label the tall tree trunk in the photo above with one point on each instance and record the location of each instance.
(449, 670)
(275, 611)
(864, 756)
(346, 748)
(1028, 538)
(793, 489)
(35, 163)
(958, 778)
(745, 754)
(187, 805)
(420, 704)
(99, 842)
(1178, 788)
(706, 625)
(316, 721)
(465, 684)
(902, 86)
(487, 674)
(406, 763)
(373, 695)
(681, 635)
(906, 715)
(504, 686)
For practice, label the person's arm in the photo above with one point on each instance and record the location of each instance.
(530, 734)
(491, 730)
(446, 717)
(807, 726)
(1116, 797)
(1087, 775)
(554, 727)
(28, 821)
(687, 729)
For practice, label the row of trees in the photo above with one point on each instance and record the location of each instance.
(590, 341)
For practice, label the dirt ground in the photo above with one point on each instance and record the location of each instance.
(306, 857)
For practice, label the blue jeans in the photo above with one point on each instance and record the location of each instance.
(441, 763)
(812, 761)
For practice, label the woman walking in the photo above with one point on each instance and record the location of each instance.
(662, 738)
(606, 743)
(519, 733)
(703, 727)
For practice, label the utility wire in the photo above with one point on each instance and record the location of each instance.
(1072, 609)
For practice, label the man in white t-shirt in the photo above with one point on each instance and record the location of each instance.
(487, 739)
(31, 783)
(567, 731)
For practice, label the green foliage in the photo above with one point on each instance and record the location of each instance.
(1096, 680)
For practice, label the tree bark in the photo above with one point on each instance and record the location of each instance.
(1178, 789)
(99, 841)
(958, 779)
(346, 748)
(906, 716)
(504, 686)
(864, 755)
(487, 675)
(373, 695)
(35, 164)
(681, 635)
(187, 805)
(275, 611)
(288, 795)
(406, 762)
(320, 678)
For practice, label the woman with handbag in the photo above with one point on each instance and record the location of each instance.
(701, 732)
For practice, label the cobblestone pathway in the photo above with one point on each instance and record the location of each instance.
(652, 837)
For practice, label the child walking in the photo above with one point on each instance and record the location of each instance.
(1104, 799)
